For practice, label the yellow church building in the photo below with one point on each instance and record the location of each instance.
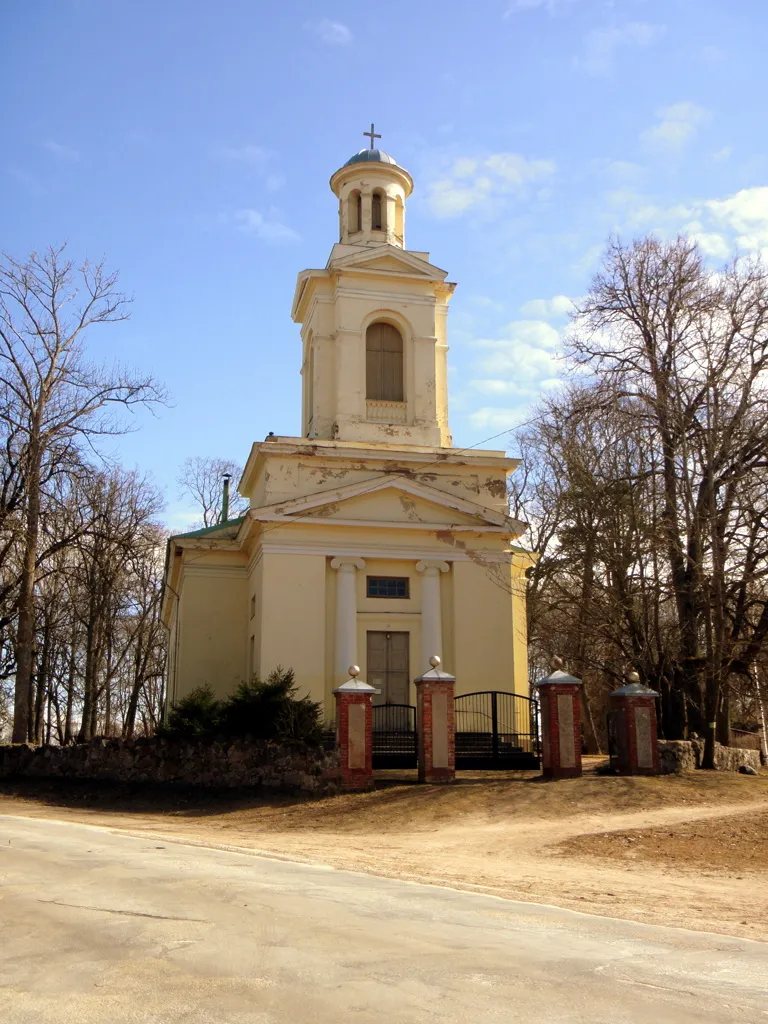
(369, 539)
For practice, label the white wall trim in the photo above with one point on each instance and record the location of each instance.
(386, 524)
(223, 571)
(388, 554)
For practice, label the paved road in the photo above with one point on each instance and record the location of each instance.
(98, 927)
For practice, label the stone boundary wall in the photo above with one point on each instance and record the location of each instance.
(224, 764)
(676, 756)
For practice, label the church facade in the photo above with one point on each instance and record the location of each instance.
(369, 539)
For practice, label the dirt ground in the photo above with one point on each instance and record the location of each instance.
(689, 851)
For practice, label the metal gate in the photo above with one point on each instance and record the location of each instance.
(496, 730)
(394, 736)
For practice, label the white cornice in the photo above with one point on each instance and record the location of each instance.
(416, 489)
(387, 553)
(380, 295)
(417, 458)
(383, 524)
(360, 262)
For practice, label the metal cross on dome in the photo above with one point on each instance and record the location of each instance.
(372, 135)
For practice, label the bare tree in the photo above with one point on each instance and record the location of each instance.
(662, 452)
(54, 399)
(99, 648)
(200, 480)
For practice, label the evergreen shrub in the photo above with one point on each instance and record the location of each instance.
(269, 709)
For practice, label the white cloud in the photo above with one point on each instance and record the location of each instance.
(722, 227)
(256, 156)
(526, 353)
(511, 371)
(745, 214)
(548, 309)
(711, 243)
(677, 125)
(486, 302)
(587, 263)
(331, 32)
(624, 171)
(62, 152)
(601, 44)
(491, 417)
(521, 6)
(265, 228)
(494, 386)
(472, 182)
(180, 518)
(722, 154)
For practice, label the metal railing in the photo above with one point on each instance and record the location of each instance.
(495, 729)
(394, 736)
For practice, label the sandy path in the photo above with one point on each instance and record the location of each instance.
(514, 855)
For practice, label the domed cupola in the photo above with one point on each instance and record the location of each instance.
(372, 189)
(371, 155)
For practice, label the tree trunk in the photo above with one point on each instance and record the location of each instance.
(92, 660)
(724, 718)
(25, 634)
(68, 737)
(138, 676)
(761, 704)
(591, 738)
(42, 681)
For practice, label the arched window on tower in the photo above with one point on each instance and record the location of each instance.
(355, 211)
(377, 211)
(384, 363)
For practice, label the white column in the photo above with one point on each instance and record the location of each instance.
(389, 218)
(431, 618)
(346, 614)
(367, 211)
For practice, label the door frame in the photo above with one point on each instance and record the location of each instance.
(370, 628)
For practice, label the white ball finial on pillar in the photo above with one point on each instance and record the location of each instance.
(354, 671)
(434, 661)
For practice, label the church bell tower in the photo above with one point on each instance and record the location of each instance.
(368, 540)
(373, 322)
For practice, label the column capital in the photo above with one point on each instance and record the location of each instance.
(431, 567)
(347, 564)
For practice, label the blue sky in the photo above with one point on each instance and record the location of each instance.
(191, 143)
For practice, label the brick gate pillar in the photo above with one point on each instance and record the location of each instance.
(354, 731)
(560, 698)
(436, 725)
(633, 729)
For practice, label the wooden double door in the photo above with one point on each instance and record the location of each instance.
(388, 668)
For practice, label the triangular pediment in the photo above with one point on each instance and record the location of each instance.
(393, 505)
(386, 263)
(388, 259)
(390, 499)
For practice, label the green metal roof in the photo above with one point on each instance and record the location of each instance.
(208, 529)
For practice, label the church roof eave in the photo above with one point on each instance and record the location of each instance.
(304, 504)
(373, 452)
(303, 292)
(227, 540)
(210, 531)
(365, 258)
